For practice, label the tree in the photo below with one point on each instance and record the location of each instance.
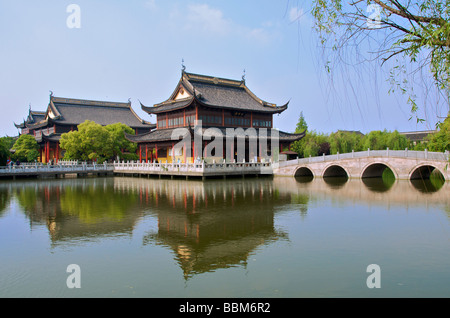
(6, 143)
(4, 152)
(440, 141)
(119, 143)
(311, 144)
(26, 149)
(416, 32)
(299, 145)
(90, 142)
(95, 142)
(379, 140)
(345, 141)
(301, 124)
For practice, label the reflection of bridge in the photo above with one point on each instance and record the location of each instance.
(405, 164)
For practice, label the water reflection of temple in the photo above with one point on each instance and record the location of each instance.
(210, 225)
(76, 210)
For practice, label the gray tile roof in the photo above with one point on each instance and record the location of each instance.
(33, 118)
(69, 111)
(215, 92)
(75, 111)
(160, 135)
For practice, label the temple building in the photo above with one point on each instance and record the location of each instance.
(65, 114)
(201, 102)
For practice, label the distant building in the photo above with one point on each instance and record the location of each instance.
(351, 132)
(216, 102)
(417, 136)
(65, 114)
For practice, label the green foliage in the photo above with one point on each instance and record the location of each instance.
(440, 141)
(378, 140)
(26, 149)
(5, 146)
(343, 142)
(316, 144)
(301, 124)
(94, 142)
(310, 145)
(118, 141)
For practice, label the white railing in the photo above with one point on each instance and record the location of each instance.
(197, 167)
(56, 168)
(412, 154)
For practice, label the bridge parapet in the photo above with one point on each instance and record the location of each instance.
(403, 163)
(412, 154)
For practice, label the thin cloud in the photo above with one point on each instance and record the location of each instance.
(207, 20)
(150, 4)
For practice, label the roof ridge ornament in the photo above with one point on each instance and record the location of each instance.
(243, 76)
(183, 67)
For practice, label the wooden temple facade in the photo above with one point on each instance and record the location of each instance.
(65, 114)
(201, 102)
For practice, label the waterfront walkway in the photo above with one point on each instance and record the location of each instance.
(199, 169)
(135, 168)
(54, 171)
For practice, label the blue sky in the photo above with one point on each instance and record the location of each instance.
(133, 49)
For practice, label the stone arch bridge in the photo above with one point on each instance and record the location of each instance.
(405, 164)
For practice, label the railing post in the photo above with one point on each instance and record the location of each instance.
(353, 153)
(426, 153)
(368, 152)
(387, 152)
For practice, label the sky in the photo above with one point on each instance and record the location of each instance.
(135, 50)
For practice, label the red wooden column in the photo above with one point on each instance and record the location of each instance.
(57, 153)
(140, 153)
(47, 152)
(146, 153)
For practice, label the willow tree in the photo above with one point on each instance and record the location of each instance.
(410, 37)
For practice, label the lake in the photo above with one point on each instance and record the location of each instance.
(241, 237)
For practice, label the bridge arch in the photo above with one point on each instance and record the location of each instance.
(376, 169)
(335, 170)
(424, 171)
(303, 171)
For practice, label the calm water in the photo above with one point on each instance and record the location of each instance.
(281, 237)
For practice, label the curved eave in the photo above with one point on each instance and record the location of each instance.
(291, 137)
(162, 108)
(264, 109)
(39, 124)
(130, 137)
